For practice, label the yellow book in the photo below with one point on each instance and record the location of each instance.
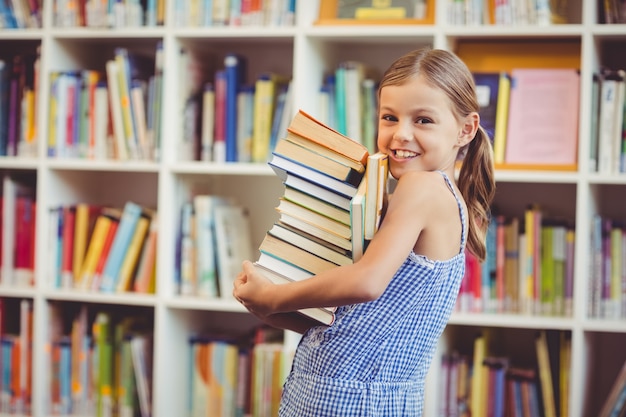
(565, 356)
(81, 231)
(545, 375)
(131, 258)
(502, 116)
(266, 87)
(94, 250)
(52, 111)
(480, 377)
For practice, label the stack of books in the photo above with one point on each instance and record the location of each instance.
(329, 182)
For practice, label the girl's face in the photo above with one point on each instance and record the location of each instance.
(418, 129)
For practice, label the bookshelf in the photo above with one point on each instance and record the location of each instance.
(306, 52)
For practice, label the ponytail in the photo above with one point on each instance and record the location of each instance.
(477, 185)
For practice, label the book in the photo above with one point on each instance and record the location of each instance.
(95, 246)
(307, 126)
(206, 262)
(112, 71)
(310, 244)
(317, 191)
(146, 270)
(316, 205)
(357, 221)
(233, 244)
(267, 86)
(281, 267)
(487, 84)
(235, 70)
(131, 257)
(545, 375)
(283, 166)
(315, 230)
(319, 162)
(326, 223)
(131, 214)
(321, 314)
(294, 255)
(611, 406)
(549, 97)
(376, 174)
(502, 117)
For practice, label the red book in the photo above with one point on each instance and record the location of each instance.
(24, 239)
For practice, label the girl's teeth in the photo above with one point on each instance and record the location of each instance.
(405, 154)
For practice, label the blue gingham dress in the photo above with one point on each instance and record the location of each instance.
(374, 359)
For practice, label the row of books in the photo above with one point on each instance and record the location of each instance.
(108, 13)
(330, 208)
(102, 248)
(18, 104)
(550, 96)
(232, 377)
(615, 403)
(607, 269)
(213, 239)
(608, 122)
(529, 268)
(16, 335)
(348, 102)
(483, 384)
(17, 229)
(218, 13)
(612, 11)
(506, 12)
(226, 117)
(103, 365)
(114, 113)
(20, 14)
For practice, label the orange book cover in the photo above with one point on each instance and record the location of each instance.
(95, 283)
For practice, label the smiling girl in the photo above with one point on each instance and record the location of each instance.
(396, 300)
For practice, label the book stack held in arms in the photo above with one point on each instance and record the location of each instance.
(330, 209)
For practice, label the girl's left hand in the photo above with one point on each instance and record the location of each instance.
(253, 291)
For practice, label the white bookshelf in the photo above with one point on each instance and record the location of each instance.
(305, 52)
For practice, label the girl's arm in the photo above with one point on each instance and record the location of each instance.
(410, 209)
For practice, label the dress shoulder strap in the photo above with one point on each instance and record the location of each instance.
(462, 213)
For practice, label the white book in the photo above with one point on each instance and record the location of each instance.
(112, 70)
(206, 265)
(101, 122)
(233, 245)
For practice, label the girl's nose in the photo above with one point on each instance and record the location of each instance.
(402, 132)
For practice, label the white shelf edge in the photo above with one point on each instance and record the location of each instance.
(130, 299)
(204, 304)
(512, 321)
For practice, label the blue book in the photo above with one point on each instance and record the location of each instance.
(234, 67)
(126, 229)
(283, 166)
(487, 91)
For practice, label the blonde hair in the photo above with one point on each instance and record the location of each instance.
(446, 71)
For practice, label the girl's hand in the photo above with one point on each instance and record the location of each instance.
(254, 291)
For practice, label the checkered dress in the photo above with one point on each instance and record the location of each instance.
(373, 360)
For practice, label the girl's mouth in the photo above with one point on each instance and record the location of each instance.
(404, 154)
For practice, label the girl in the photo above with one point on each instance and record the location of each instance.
(396, 300)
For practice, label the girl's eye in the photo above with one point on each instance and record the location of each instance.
(389, 118)
(423, 120)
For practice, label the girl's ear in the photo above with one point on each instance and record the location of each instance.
(469, 128)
